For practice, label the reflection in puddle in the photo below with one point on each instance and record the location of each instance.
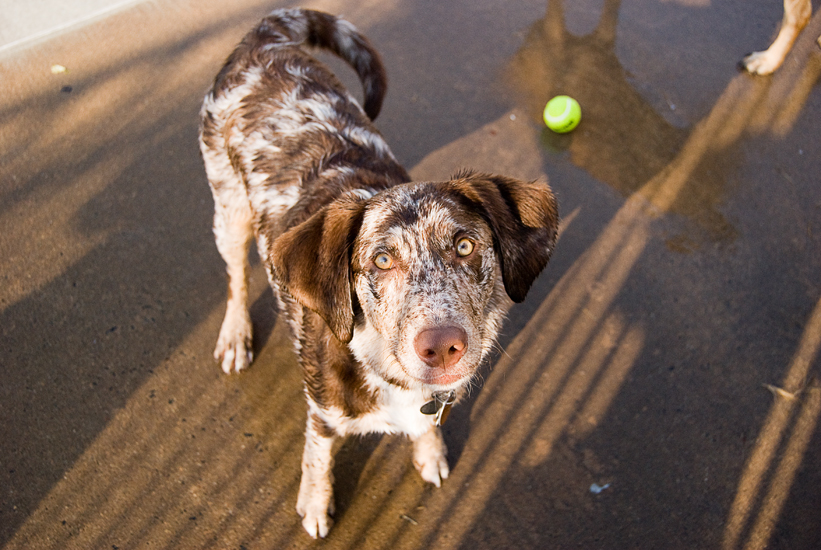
(622, 140)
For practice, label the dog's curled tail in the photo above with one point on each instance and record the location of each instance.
(295, 27)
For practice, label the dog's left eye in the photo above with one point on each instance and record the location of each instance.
(464, 247)
(383, 261)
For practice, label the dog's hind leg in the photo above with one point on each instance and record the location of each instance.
(796, 16)
(315, 502)
(233, 231)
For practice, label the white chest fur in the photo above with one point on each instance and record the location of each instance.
(396, 411)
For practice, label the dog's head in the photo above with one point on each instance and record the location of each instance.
(418, 277)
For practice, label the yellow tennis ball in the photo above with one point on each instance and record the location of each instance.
(562, 114)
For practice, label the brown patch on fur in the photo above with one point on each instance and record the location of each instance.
(333, 377)
(320, 427)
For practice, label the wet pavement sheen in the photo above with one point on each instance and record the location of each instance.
(658, 388)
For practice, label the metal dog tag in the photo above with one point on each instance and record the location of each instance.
(440, 406)
(429, 407)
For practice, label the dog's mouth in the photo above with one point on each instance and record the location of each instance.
(444, 379)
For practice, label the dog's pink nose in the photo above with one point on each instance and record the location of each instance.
(441, 347)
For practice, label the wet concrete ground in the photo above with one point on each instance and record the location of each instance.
(669, 353)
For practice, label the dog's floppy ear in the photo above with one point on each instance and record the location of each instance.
(525, 222)
(312, 261)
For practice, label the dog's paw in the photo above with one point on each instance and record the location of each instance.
(429, 457)
(234, 349)
(315, 511)
(317, 525)
(762, 63)
(434, 470)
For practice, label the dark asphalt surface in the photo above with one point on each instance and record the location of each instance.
(658, 389)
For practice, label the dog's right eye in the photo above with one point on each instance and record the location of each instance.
(383, 261)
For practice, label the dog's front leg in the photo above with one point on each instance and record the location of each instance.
(315, 503)
(429, 452)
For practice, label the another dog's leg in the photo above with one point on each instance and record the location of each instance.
(796, 16)
(315, 503)
(429, 454)
(233, 231)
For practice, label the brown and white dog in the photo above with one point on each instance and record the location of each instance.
(796, 16)
(394, 291)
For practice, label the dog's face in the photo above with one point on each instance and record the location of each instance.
(429, 283)
(418, 277)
